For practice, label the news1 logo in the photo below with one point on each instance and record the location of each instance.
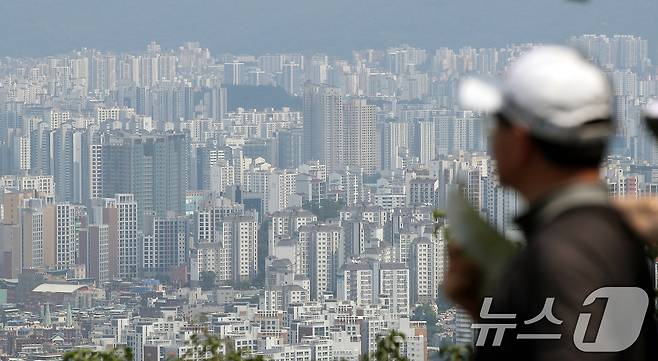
(621, 323)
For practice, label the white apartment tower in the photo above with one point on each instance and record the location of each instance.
(323, 259)
(425, 270)
(237, 254)
(359, 120)
(323, 125)
(60, 238)
(393, 286)
(128, 236)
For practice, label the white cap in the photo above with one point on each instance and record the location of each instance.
(651, 110)
(553, 91)
(651, 116)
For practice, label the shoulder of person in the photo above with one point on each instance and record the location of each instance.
(587, 236)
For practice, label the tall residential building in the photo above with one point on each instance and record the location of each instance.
(11, 250)
(167, 246)
(348, 184)
(94, 251)
(40, 149)
(290, 77)
(464, 332)
(424, 191)
(289, 147)
(218, 103)
(128, 236)
(323, 259)
(104, 211)
(60, 244)
(392, 280)
(323, 125)
(209, 216)
(423, 141)
(103, 73)
(154, 168)
(394, 151)
(22, 151)
(355, 283)
(95, 170)
(70, 164)
(32, 222)
(276, 187)
(424, 269)
(21, 232)
(359, 135)
(285, 224)
(240, 234)
(61, 160)
(229, 249)
(233, 73)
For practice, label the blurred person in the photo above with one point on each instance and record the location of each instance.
(553, 116)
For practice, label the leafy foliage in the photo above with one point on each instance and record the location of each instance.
(439, 217)
(116, 354)
(326, 209)
(426, 313)
(213, 348)
(207, 280)
(450, 352)
(388, 348)
(443, 303)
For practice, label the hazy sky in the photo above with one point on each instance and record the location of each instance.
(41, 27)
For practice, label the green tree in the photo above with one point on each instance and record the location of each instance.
(242, 285)
(326, 209)
(116, 354)
(453, 352)
(442, 302)
(216, 349)
(207, 280)
(388, 348)
(426, 313)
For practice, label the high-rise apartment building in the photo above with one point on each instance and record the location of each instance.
(359, 134)
(166, 246)
(355, 283)
(32, 223)
(240, 236)
(289, 147)
(424, 268)
(392, 280)
(60, 244)
(94, 251)
(423, 141)
(394, 143)
(128, 236)
(423, 191)
(291, 77)
(323, 125)
(155, 168)
(233, 73)
(323, 259)
(61, 159)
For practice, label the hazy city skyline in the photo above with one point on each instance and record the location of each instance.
(272, 171)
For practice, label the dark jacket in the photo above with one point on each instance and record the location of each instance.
(576, 243)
